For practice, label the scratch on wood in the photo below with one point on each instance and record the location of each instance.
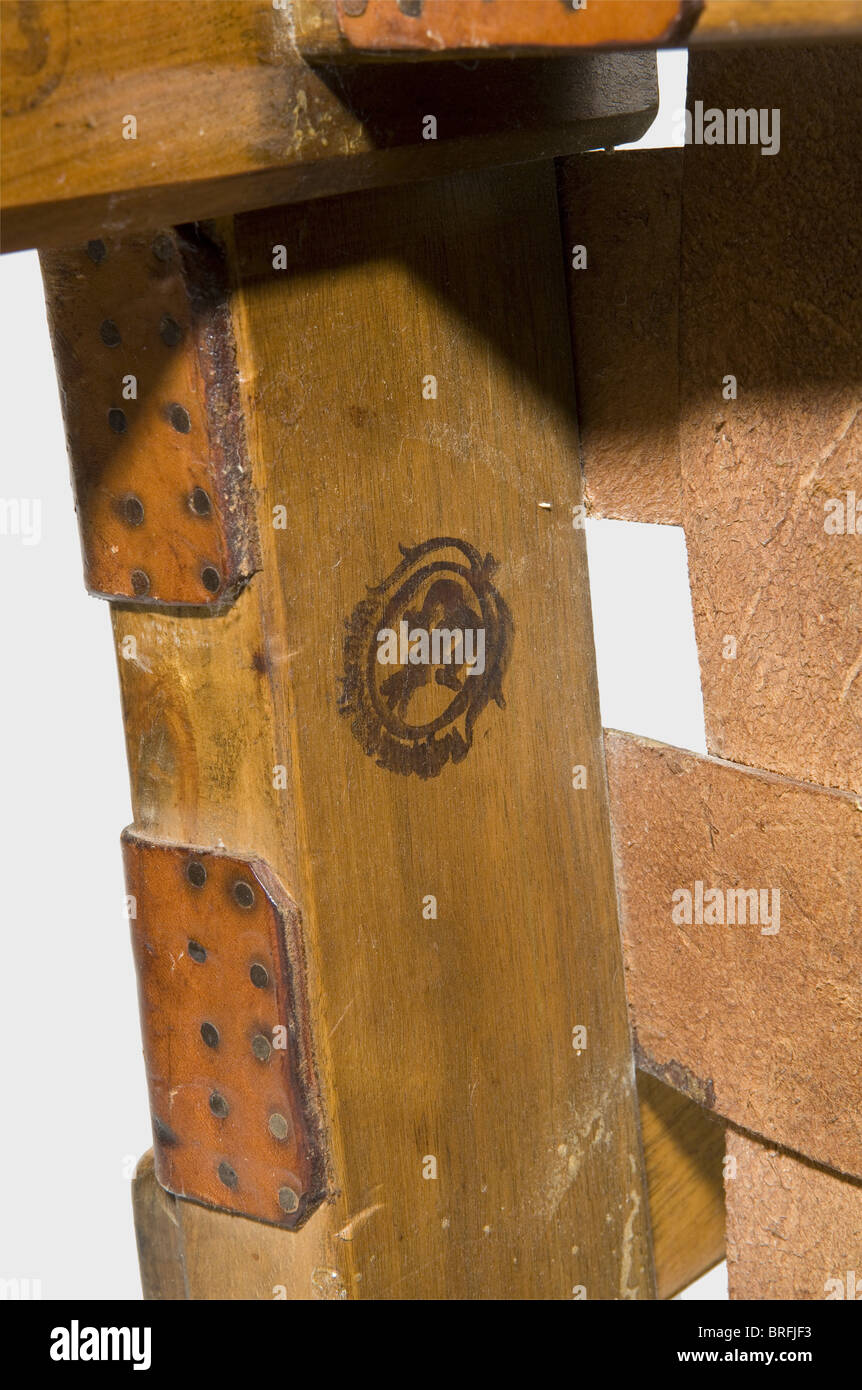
(626, 1291)
(353, 1225)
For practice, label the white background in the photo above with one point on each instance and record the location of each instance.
(74, 1114)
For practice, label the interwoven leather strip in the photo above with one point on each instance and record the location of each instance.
(236, 1118)
(794, 1230)
(747, 996)
(146, 362)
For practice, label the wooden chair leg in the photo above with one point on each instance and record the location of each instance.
(405, 389)
(186, 1251)
(304, 442)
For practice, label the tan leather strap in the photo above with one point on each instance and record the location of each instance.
(233, 1092)
(145, 356)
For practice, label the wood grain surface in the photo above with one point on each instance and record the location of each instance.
(191, 1252)
(157, 1232)
(447, 1038)
(684, 1153)
(229, 115)
(776, 21)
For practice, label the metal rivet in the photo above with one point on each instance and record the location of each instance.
(163, 247)
(219, 1106)
(211, 579)
(243, 893)
(140, 582)
(412, 8)
(163, 1133)
(287, 1199)
(169, 331)
(110, 333)
(133, 510)
(196, 873)
(117, 421)
(200, 502)
(197, 952)
(97, 251)
(261, 1048)
(179, 418)
(227, 1175)
(209, 1033)
(259, 976)
(278, 1126)
(353, 8)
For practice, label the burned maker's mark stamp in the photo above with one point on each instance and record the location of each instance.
(424, 653)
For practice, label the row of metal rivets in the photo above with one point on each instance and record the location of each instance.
(133, 515)
(177, 415)
(171, 334)
(287, 1198)
(261, 1047)
(133, 507)
(210, 578)
(278, 1125)
(242, 890)
(258, 974)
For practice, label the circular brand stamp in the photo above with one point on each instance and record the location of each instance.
(424, 653)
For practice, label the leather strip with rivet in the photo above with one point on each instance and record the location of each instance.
(233, 1092)
(146, 363)
(437, 27)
